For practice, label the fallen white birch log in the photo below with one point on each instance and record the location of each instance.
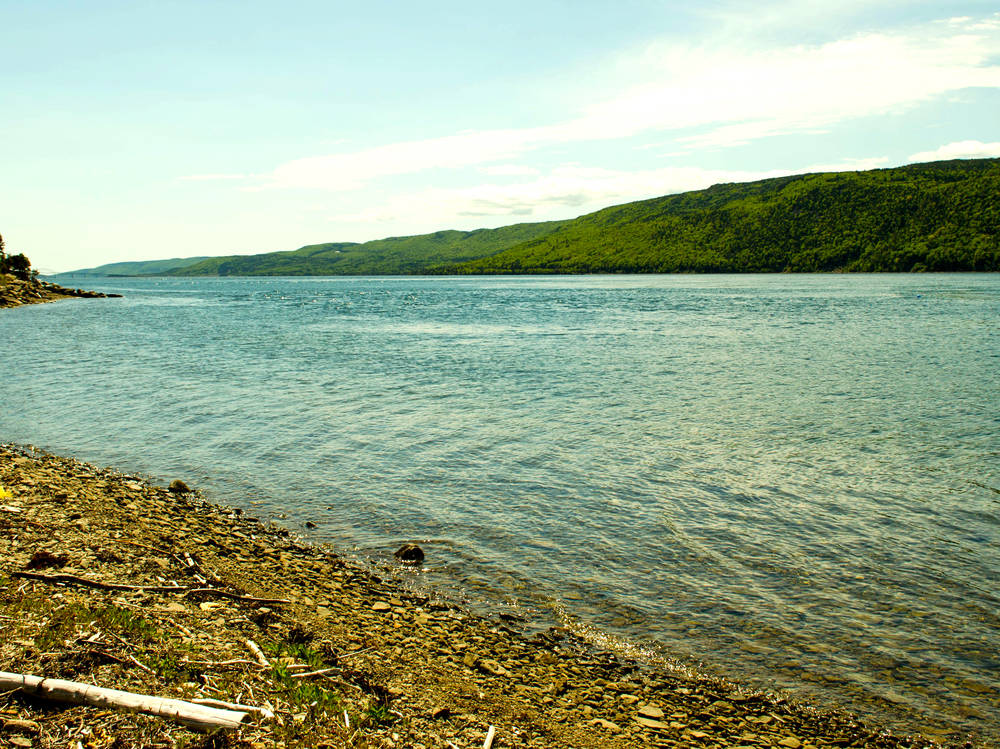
(198, 717)
(262, 711)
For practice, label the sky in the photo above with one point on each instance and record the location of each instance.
(151, 129)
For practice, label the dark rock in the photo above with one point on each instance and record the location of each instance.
(178, 487)
(410, 554)
(42, 559)
(310, 524)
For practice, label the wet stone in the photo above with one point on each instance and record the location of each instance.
(409, 554)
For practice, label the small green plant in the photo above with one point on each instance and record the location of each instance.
(313, 697)
(378, 714)
(168, 666)
(125, 622)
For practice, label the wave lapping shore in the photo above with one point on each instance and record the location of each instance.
(109, 580)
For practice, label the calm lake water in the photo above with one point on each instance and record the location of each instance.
(792, 481)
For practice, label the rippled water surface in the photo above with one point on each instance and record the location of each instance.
(789, 480)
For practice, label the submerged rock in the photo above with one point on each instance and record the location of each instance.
(410, 554)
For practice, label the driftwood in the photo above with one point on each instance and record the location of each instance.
(198, 717)
(223, 664)
(262, 711)
(258, 653)
(309, 674)
(87, 583)
(187, 591)
(489, 738)
(25, 726)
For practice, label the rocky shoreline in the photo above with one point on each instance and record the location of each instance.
(15, 292)
(109, 580)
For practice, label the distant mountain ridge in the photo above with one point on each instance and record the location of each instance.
(936, 216)
(393, 256)
(137, 268)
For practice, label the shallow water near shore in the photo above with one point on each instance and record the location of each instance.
(793, 481)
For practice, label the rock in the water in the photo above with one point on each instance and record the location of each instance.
(410, 554)
(178, 487)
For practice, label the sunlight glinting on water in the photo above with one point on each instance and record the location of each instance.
(786, 480)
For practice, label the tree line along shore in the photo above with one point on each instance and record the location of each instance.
(19, 283)
(935, 217)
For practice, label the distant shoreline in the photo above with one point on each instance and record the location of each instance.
(546, 274)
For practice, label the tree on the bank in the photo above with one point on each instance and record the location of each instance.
(17, 265)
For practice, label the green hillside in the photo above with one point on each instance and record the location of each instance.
(941, 216)
(136, 268)
(393, 256)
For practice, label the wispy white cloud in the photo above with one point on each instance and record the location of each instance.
(510, 170)
(213, 177)
(347, 171)
(739, 96)
(732, 96)
(963, 149)
(846, 165)
(562, 192)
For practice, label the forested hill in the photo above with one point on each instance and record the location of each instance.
(940, 216)
(393, 256)
(137, 267)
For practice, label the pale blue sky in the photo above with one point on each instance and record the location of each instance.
(143, 130)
